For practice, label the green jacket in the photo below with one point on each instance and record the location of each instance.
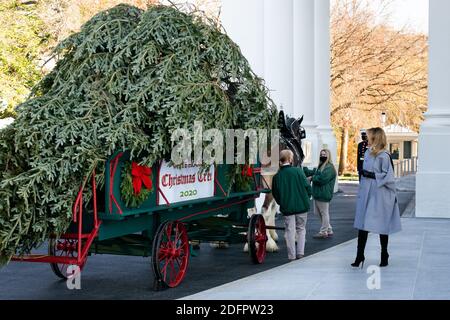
(323, 182)
(291, 190)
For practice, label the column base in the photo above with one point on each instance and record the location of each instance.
(432, 195)
(433, 176)
(311, 146)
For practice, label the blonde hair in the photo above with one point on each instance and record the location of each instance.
(286, 156)
(377, 139)
(328, 161)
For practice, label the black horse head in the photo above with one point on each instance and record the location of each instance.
(291, 136)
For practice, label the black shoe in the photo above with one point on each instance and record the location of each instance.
(384, 259)
(358, 261)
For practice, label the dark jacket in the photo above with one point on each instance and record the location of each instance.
(362, 148)
(291, 190)
(323, 182)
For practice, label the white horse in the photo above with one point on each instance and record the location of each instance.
(268, 211)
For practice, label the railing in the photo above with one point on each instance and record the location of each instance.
(405, 167)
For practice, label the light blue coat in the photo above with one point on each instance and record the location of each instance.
(377, 206)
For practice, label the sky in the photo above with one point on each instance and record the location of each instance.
(410, 13)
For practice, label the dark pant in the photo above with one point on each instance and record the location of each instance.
(362, 240)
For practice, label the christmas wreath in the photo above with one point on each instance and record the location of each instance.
(136, 185)
(242, 178)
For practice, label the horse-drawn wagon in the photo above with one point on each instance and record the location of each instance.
(185, 204)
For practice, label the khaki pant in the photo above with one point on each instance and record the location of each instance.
(295, 227)
(322, 209)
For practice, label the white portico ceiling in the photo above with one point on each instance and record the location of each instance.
(396, 130)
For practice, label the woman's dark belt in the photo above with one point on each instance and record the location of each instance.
(368, 174)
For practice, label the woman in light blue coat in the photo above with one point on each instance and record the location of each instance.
(377, 206)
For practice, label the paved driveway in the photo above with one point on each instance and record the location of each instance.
(122, 277)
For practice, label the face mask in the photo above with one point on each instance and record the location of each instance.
(323, 159)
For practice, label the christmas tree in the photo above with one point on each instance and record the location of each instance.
(124, 82)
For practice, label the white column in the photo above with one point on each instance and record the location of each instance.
(322, 63)
(322, 86)
(303, 40)
(244, 23)
(278, 51)
(433, 177)
(414, 148)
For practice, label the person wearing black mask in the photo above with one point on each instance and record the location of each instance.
(362, 148)
(323, 179)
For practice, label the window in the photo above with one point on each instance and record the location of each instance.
(407, 150)
(395, 150)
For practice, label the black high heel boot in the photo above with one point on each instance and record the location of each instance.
(384, 239)
(358, 261)
(362, 240)
(384, 259)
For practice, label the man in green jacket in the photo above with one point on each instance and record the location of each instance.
(323, 180)
(292, 191)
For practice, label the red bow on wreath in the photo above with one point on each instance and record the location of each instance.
(141, 175)
(247, 171)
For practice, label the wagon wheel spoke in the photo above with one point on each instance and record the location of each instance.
(162, 255)
(179, 260)
(63, 268)
(164, 269)
(164, 248)
(179, 246)
(180, 263)
(260, 238)
(169, 231)
(172, 272)
(177, 236)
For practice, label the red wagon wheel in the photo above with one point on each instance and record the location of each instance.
(63, 248)
(257, 238)
(170, 254)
